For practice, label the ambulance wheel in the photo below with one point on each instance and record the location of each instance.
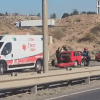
(38, 66)
(1, 69)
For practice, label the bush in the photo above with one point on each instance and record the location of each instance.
(96, 30)
(87, 38)
(91, 12)
(64, 29)
(5, 33)
(65, 15)
(38, 33)
(58, 34)
(75, 12)
(1, 14)
(78, 20)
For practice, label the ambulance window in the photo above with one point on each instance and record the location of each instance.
(1, 43)
(1, 37)
(7, 49)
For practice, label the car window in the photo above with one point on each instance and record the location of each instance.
(76, 54)
(64, 55)
(1, 43)
(7, 49)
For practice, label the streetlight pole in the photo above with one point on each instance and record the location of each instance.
(45, 35)
(98, 6)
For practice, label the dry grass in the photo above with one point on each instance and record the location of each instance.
(87, 38)
(64, 29)
(96, 30)
(57, 33)
(5, 33)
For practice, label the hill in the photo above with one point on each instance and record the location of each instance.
(76, 32)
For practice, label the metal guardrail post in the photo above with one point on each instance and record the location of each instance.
(34, 89)
(87, 81)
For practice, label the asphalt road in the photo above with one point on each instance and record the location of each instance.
(92, 63)
(84, 95)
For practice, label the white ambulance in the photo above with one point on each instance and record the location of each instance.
(20, 52)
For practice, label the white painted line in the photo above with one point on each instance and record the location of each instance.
(73, 94)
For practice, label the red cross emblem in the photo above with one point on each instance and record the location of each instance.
(24, 47)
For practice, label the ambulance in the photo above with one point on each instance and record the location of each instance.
(21, 52)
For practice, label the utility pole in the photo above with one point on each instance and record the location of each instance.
(45, 35)
(98, 6)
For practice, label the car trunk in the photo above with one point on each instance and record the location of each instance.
(65, 57)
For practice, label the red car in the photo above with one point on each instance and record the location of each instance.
(97, 57)
(70, 58)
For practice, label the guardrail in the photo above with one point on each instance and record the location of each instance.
(29, 79)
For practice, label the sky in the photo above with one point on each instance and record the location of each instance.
(54, 6)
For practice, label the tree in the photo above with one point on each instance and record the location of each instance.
(6, 13)
(75, 12)
(83, 12)
(15, 14)
(38, 15)
(51, 16)
(91, 12)
(1, 14)
(65, 15)
(54, 16)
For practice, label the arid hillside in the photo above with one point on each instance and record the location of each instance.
(76, 32)
(7, 24)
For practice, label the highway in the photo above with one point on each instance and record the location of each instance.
(93, 94)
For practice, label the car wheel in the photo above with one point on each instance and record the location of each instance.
(1, 69)
(38, 66)
(85, 63)
(75, 64)
(82, 64)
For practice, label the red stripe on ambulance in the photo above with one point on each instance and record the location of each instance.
(27, 60)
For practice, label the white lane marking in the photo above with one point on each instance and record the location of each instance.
(73, 94)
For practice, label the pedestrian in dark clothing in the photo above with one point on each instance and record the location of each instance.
(65, 48)
(87, 54)
(58, 55)
(53, 62)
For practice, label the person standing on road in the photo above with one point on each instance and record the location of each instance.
(65, 48)
(58, 55)
(62, 49)
(87, 54)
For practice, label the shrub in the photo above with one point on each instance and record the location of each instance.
(87, 38)
(5, 33)
(96, 30)
(57, 34)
